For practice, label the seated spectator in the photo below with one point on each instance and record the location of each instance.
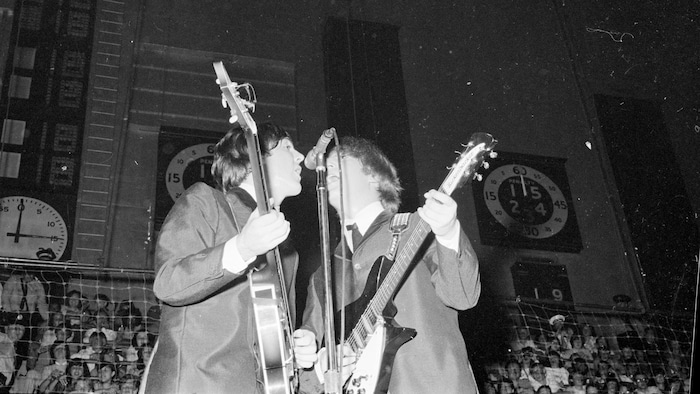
(659, 380)
(580, 365)
(577, 349)
(560, 331)
(129, 384)
(128, 320)
(626, 388)
(101, 303)
(505, 387)
(650, 346)
(521, 340)
(612, 385)
(81, 386)
(676, 351)
(77, 371)
(537, 376)
(590, 340)
(578, 384)
(556, 375)
(627, 376)
(101, 325)
(74, 309)
(675, 385)
(153, 319)
(541, 343)
(143, 337)
(628, 355)
(602, 374)
(8, 340)
(145, 352)
(516, 375)
(544, 390)
(528, 357)
(106, 376)
(91, 353)
(641, 382)
(591, 389)
(50, 374)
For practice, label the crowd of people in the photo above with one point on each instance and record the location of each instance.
(570, 357)
(76, 344)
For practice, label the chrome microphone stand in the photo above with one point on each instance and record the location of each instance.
(332, 383)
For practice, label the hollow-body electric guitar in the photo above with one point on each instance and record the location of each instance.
(373, 336)
(267, 284)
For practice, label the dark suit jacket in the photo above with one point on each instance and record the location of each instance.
(441, 283)
(207, 337)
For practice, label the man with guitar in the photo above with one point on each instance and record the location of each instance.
(442, 278)
(206, 249)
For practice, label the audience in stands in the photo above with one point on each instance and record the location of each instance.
(644, 363)
(623, 356)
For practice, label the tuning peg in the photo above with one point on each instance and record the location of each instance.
(486, 165)
(478, 177)
(233, 119)
(458, 152)
(493, 154)
(223, 101)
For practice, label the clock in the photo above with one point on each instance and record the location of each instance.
(189, 166)
(185, 157)
(524, 201)
(31, 228)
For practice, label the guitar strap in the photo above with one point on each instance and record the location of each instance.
(399, 224)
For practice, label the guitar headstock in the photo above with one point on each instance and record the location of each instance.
(240, 107)
(469, 161)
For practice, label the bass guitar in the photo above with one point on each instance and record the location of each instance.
(373, 335)
(267, 284)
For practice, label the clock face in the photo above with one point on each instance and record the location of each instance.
(31, 228)
(189, 166)
(525, 201)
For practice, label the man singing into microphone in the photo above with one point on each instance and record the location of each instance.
(208, 242)
(443, 279)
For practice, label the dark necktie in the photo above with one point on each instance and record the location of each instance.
(356, 235)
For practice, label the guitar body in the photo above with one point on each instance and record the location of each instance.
(273, 338)
(373, 369)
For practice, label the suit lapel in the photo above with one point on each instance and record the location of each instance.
(377, 224)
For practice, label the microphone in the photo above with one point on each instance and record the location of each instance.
(321, 145)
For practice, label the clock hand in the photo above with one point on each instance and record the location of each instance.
(20, 207)
(522, 182)
(18, 235)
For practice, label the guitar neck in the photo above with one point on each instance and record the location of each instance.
(374, 310)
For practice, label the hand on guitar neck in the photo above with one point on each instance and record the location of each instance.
(262, 233)
(440, 212)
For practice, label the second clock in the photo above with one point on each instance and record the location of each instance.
(525, 202)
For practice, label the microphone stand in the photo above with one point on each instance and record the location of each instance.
(332, 375)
